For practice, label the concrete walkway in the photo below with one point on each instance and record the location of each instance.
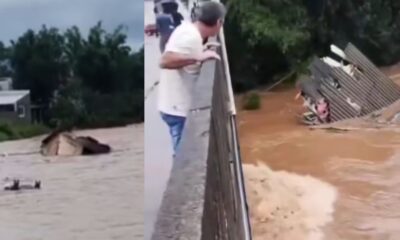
(158, 147)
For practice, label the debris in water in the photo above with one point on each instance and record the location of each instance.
(349, 88)
(16, 186)
(66, 144)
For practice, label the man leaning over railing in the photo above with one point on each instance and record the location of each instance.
(181, 62)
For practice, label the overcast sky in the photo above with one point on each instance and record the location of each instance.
(16, 16)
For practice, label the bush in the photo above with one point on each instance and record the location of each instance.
(252, 101)
(6, 129)
(14, 131)
(84, 108)
(3, 137)
(30, 130)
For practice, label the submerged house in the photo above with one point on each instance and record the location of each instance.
(351, 87)
(65, 144)
(15, 105)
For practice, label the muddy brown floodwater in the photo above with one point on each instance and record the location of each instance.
(97, 197)
(318, 184)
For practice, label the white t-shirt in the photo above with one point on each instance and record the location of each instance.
(176, 86)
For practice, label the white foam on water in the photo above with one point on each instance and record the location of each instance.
(288, 206)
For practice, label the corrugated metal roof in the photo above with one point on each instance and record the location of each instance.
(355, 91)
(12, 97)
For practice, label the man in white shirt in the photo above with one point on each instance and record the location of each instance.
(181, 63)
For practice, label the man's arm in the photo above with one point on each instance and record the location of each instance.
(173, 60)
(180, 48)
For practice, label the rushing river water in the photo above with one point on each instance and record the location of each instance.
(362, 166)
(97, 197)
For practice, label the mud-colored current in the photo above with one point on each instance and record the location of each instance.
(85, 197)
(357, 173)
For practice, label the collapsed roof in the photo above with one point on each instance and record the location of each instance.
(351, 88)
(10, 97)
(61, 143)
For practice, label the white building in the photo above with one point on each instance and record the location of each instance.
(15, 105)
(5, 83)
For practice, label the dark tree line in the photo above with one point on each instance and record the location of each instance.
(91, 81)
(268, 38)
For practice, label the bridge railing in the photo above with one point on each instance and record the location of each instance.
(205, 196)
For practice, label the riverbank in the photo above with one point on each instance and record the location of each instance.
(10, 131)
(360, 166)
(15, 131)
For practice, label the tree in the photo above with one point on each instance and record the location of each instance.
(266, 38)
(39, 63)
(90, 81)
(108, 76)
(371, 25)
(101, 59)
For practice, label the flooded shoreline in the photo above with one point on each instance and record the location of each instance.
(82, 197)
(361, 165)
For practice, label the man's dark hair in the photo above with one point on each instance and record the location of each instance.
(170, 7)
(210, 12)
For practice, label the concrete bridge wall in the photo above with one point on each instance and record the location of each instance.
(204, 196)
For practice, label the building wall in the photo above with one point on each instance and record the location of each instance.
(13, 116)
(5, 84)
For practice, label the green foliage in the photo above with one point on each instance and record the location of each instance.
(283, 22)
(38, 63)
(95, 80)
(77, 105)
(6, 129)
(372, 25)
(14, 131)
(103, 59)
(3, 137)
(28, 130)
(267, 38)
(252, 101)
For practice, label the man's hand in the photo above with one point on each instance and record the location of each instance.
(208, 55)
(211, 46)
(150, 30)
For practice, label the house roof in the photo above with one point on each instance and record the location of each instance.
(12, 97)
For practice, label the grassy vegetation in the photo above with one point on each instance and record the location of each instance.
(252, 101)
(15, 131)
